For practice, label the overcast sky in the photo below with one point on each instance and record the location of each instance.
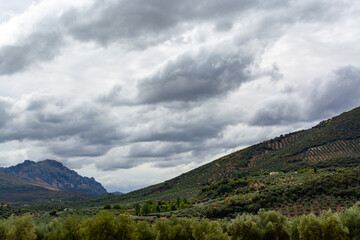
(137, 92)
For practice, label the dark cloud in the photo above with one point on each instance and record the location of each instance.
(77, 147)
(194, 77)
(191, 78)
(112, 163)
(155, 150)
(35, 48)
(332, 94)
(4, 116)
(324, 97)
(223, 26)
(280, 111)
(139, 24)
(187, 125)
(85, 130)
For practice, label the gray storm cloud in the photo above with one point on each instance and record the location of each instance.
(138, 25)
(65, 131)
(326, 96)
(35, 48)
(204, 76)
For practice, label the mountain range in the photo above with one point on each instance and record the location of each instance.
(45, 179)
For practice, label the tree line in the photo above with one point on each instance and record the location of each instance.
(264, 225)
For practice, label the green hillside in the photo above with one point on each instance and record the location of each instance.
(292, 194)
(332, 143)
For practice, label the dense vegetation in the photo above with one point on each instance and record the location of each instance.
(293, 194)
(265, 225)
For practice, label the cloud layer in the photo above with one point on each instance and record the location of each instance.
(112, 87)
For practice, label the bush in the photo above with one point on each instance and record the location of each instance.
(175, 228)
(328, 226)
(351, 219)
(310, 228)
(332, 226)
(208, 231)
(125, 228)
(294, 229)
(107, 206)
(67, 229)
(102, 226)
(145, 232)
(245, 227)
(21, 228)
(2, 230)
(274, 225)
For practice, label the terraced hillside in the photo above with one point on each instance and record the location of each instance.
(334, 142)
(292, 194)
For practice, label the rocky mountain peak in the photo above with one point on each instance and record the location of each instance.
(51, 173)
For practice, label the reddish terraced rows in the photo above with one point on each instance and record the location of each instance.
(292, 210)
(285, 141)
(332, 150)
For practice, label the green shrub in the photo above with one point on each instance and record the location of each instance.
(102, 226)
(2, 230)
(245, 227)
(332, 226)
(310, 228)
(125, 228)
(21, 228)
(174, 228)
(208, 231)
(68, 229)
(351, 219)
(274, 225)
(145, 232)
(328, 226)
(294, 229)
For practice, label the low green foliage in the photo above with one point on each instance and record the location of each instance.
(266, 225)
(328, 226)
(18, 228)
(157, 207)
(351, 219)
(329, 188)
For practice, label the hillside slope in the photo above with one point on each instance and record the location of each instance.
(334, 142)
(52, 174)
